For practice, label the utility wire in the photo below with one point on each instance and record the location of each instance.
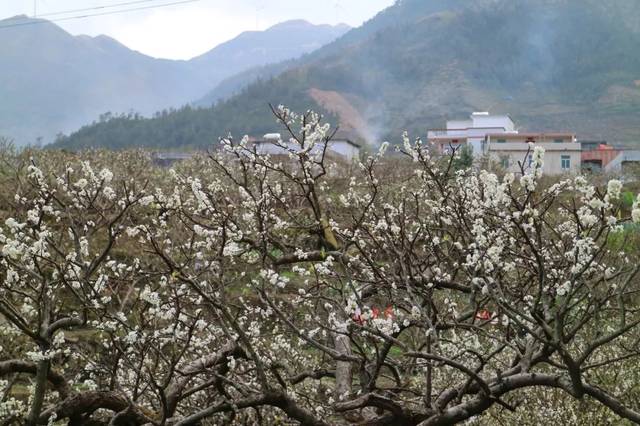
(87, 9)
(112, 12)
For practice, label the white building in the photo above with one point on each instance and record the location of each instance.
(471, 132)
(495, 137)
(512, 152)
(341, 146)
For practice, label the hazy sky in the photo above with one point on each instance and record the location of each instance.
(185, 30)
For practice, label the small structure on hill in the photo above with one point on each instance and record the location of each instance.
(341, 145)
(169, 158)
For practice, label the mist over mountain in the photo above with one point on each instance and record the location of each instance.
(52, 81)
(235, 84)
(565, 65)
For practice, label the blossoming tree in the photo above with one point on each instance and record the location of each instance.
(247, 288)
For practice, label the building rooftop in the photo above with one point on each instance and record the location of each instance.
(338, 137)
(513, 135)
(465, 128)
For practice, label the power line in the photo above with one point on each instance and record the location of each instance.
(113, 12)
(87, 9)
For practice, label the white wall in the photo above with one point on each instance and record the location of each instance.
(475, 129)
(342, 148)
(493, 121)
(517, 151)
(345, 149)
(459, 124)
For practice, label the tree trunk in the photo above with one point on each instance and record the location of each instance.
(39, 392)
(344, 373)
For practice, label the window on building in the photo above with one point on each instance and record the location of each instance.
(558, 140)
(501, 141)
(565, 162)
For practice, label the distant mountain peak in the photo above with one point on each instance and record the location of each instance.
(302, 23)
(23, 24)
(293, 23)
(16, 17)
(275, 43)
(24, 19)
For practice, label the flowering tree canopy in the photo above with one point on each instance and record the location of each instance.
(246, 288)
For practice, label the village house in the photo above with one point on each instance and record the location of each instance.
(513, 151)
(496, 138)
(341, 146)
(471, 132)
(169, 158)
(599, 156)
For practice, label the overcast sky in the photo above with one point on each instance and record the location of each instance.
(186, 30)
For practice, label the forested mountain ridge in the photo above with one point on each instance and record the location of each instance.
(565, 65)
(51, 81)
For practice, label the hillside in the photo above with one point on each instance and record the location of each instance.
(54, 82)
(552, 64)
(235, 84)
(253, 49)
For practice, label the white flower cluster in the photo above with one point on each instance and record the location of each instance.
(274, 278)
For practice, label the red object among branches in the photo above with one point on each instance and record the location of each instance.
(375, 313)
(484, 315)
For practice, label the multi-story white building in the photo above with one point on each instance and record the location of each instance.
(496, 138)
(470, 132)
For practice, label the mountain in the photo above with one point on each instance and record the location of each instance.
(272, 49)
(54, 82)
(234, 85)
(564, 65)
(253, 49)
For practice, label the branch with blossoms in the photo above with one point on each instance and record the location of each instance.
(244, 287)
